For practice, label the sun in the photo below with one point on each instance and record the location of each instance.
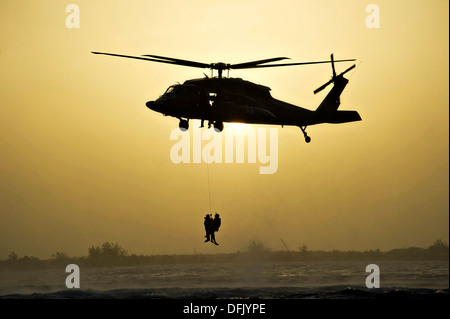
(237, 126)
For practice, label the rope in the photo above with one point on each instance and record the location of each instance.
(209, 183)
(209, 186)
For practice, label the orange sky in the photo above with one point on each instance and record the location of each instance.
(83, 160)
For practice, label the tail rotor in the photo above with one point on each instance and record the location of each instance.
(334, 75)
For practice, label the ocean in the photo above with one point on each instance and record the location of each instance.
(246, 280)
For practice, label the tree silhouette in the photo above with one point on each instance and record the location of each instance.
(13, 257)
(257, 246)
(107, 253)
(439, 247)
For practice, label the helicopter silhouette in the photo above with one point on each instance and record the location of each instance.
(224, 99)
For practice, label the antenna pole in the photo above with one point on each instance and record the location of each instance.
(284, 244)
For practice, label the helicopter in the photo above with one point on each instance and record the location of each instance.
(223, 99)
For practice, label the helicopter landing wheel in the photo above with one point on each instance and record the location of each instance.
(184, 125)
(307, 138)
(218, 126)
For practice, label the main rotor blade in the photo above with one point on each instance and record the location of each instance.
(153, 60)
(301, 63)
(252, 64)
(204, 65)
(180, 61)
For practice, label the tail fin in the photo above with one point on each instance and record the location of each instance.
(332, 101)
(328, 109)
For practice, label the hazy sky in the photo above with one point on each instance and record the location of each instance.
(83, 160)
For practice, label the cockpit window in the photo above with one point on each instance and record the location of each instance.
(172, 89)
(169, 90)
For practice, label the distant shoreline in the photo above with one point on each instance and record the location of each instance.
(109, 255)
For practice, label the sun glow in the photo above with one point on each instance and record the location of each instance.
(236, 126)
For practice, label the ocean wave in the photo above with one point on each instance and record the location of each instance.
(333, 292)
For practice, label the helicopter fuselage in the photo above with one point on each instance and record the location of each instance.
(221, 100)
(228, 100)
